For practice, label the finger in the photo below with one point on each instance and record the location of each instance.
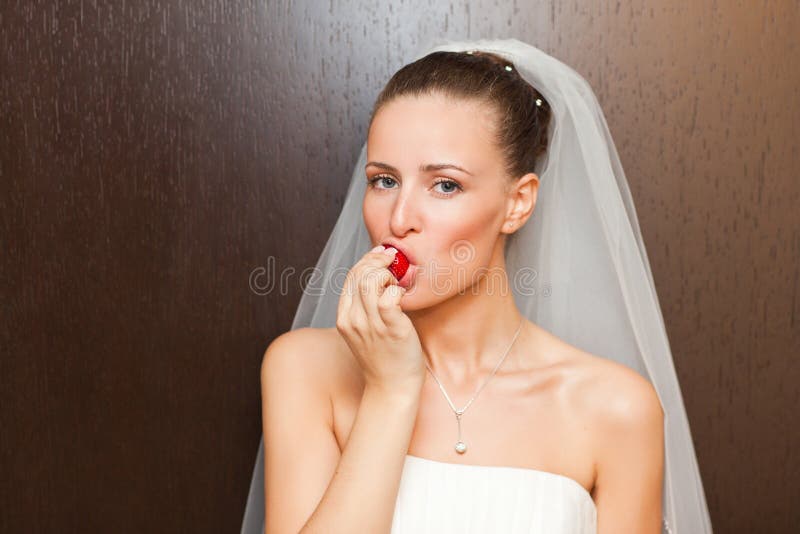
(372, 287)
(345, 299)
(389, 306)
(349, 286)
(379, 258)
(363, 274)
(371, 272)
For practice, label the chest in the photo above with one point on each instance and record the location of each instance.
(514, 421)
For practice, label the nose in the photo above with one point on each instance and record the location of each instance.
(405, 211)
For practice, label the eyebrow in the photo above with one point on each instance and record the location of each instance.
(423, 168)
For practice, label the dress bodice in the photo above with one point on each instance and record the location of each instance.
(444, 498)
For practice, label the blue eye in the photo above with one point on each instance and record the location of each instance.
(378, 178)
(450, 183)
(450, 186)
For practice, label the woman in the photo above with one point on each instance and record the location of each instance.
(381, 421)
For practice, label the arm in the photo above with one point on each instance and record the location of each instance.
(308, 485)
(361, 496)
(300, 452)
(630, 468)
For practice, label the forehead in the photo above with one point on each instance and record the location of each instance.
(410, 130)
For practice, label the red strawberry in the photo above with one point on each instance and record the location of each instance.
(399, 266)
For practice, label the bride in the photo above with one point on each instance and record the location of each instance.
(437, 390)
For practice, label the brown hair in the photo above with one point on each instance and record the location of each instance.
(521, 131)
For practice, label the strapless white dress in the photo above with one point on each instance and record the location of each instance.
(447, 498)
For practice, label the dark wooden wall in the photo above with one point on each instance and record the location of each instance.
(155, 154)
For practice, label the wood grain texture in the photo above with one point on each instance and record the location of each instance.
(155, 154)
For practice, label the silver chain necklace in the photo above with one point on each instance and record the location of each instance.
(460, 446)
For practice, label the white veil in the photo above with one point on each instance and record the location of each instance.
(582, 243)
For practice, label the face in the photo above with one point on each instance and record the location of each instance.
(450, 222)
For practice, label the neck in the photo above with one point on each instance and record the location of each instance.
(465, 336)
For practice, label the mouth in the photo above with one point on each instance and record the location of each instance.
(405, 252)
(403, 267)
(408, 278)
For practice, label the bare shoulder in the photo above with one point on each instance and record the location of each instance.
(303, 354)
(622, 414)
(600, 389)
(318, 354)
(625, 421)
(615, 397)
(307, 339)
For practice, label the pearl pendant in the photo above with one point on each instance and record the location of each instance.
(461, 447)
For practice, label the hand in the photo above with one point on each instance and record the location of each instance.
(380, 336)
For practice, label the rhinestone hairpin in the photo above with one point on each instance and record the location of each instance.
(508, 68)
(539, 102)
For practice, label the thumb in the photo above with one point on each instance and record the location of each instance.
(389, 305)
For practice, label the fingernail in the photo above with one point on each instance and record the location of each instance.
(391, 251)
(377, 249)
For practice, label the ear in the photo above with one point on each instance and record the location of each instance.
(521, 201)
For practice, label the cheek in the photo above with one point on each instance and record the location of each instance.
(466, 242)
(375, 217)
(474, 225)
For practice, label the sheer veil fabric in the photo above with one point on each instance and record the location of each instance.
(578, 267)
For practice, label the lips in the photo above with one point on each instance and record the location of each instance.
(407, 279)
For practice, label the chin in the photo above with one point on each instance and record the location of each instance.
(411, 301)
(419, 300)
(406, 302)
